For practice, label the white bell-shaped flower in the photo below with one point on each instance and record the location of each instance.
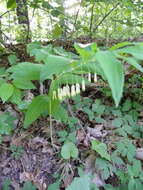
(95, 77)
(64, 91)
(89, 77)
(73, 92)
(77, 89)
(68, 90)
(83, 85)
(60, 93)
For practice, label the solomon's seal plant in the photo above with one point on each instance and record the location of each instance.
(67, 75)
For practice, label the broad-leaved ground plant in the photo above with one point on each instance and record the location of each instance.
(66, 73)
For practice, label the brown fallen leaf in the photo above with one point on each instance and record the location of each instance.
(97, 131)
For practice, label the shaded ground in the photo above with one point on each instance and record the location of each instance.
(37, 161)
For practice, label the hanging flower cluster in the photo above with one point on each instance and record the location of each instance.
(89, 77)
(75, 89)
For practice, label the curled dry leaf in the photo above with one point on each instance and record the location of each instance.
(29, 96)
(82, 138)
(97, 131)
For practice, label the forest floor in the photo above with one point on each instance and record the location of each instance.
(28, 155)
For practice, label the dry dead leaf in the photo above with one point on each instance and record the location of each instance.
(97, 131)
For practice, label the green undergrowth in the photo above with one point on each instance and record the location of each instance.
(68, 76)
(115, 153)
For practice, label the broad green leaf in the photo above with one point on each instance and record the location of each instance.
(6, 184)
(131, 184)
(54, 186)
(101, 148)
(127, 105)
(6, 123)
(2, 81)
(134, 63)
(55, 60)
(62, 52)
(118, 122)
(26, 71)
(23, 84)
(6, 91)
(38, 106)
(60, 114)
(113, 70)
(57, 31)
(120, 45)
(137, 168)
(11, 4)
(16, 96)
(54, 65)
(29, 186)
(2, 70)
(69, 150)
(136, 51)
(86, 51)
(12, 59)
(32, 46)
(80, 183)
(40, 54)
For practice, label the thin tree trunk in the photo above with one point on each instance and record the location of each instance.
(1, 37)
(63, 22)
(91, 20)
(23, 19)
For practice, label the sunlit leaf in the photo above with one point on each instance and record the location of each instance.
(38, 106)
(69, 150)
(80, 183)
(6, 91)
(101, 148)
(11, 4)
(113, 70)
